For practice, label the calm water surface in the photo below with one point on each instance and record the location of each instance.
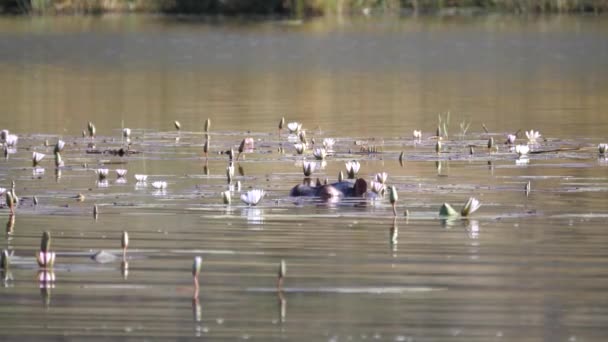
(521, 269)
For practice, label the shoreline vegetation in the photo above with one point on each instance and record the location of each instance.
(298, 8)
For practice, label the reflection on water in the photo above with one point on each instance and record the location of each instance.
(536, 271)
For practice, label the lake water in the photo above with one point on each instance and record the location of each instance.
(522, 268)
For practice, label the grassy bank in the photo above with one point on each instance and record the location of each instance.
(296, 7)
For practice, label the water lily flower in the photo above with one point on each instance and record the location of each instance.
(377, 188)
(126, 133)
(522, 150)
(102, 173)
(299, 148)
(352, 168)
(308, 168)
(141, 178)
(59, 146)
(602, 148)
(511, 139)
(381, 177)
(121, 173)
(226, 197)
(45, 257)
(294, 127)
(417, 135)
(532, 135)
(11, 140)
(253, 197)
(37, 157)
(328, 143)
(320, 153)
(470, 207)
(159, 185)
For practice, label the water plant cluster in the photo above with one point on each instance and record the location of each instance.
(105, 161)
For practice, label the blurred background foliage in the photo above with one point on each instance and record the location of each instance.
(297, 7)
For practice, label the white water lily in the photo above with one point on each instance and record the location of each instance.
(308, 168)
(328, 143)
(352, 168)
(253, 197)
(59, 146)
(532, 135)
(159, 185)
(37, 157)
(120, 173)
(299, 148)
(141, 178)
(470, 207)
(45, 259)
(11, 140)
(417, 135)
(522, 150)
(511, 139)
(294, 127)
(320, 153)
(126, 132)
(381, 177)
(102, 173)
(602, 148)
(377, 188)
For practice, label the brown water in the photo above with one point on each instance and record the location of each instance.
(521, 269)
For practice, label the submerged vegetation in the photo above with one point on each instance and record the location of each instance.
(299, 7)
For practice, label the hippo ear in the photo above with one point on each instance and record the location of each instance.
(360, 187)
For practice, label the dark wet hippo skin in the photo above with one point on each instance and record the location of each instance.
(328, 191)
